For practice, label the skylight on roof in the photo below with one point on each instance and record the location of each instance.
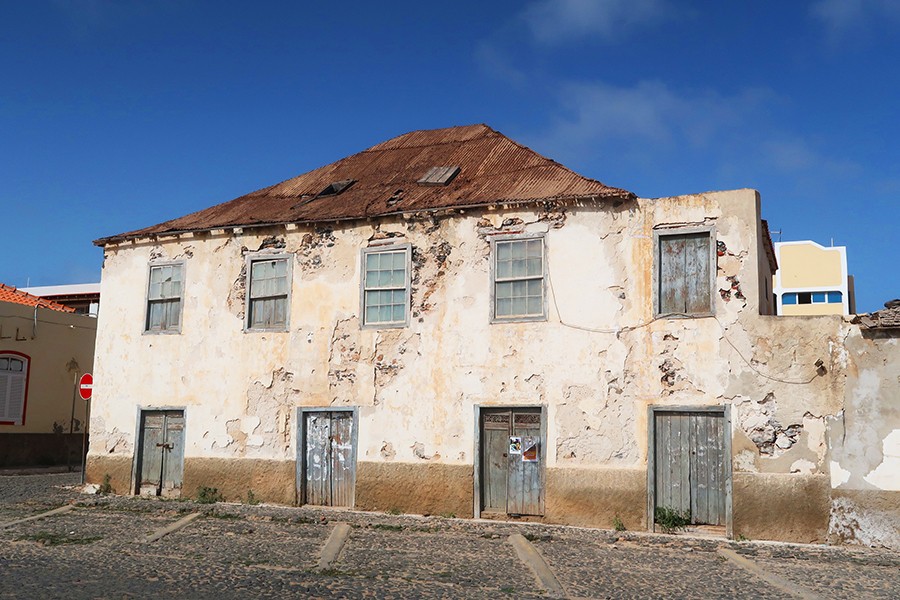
(336, 187)
(439, 175)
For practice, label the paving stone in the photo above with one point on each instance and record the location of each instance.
(237, 551)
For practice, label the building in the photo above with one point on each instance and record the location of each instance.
(812, 280)
(449, 322)
(83, 297)
(864, 440)
(44, 348)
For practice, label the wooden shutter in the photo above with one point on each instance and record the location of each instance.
(684, 274)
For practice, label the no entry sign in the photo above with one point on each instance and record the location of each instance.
(86, 386)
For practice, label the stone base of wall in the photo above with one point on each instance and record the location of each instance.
(595, 497)
(270, 480)
(792, 508)
(867, 517)
(426, 489)
(117, 466)
(40, 449)
(781, 507)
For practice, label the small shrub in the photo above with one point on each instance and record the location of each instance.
(105, 487)
(386, 527)
(208, 495)
(670, 520)
(251, 498)
(448, 515)
(393, 511)
(618, 525)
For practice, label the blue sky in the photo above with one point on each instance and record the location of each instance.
(116, 115)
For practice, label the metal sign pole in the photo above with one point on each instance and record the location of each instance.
(84, 428)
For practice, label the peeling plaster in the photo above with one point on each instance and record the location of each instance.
(839, 476)
(887, 475)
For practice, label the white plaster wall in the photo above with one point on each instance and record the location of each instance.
(596, 363)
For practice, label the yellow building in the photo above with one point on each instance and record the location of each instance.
(812, 280)
(44, 348)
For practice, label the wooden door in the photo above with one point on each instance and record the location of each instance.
(690, 465)
(161, 459)
(329, 459)
(512, 462)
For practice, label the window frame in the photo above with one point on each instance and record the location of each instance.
(710, 230)
(27, 370)
(519, 237)
(164, 263)
(254, 257)
(364, 253)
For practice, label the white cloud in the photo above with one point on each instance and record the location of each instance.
(554, 21)
(649, 112)
(840, 17)
(795, 154)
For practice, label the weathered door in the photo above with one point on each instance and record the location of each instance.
(512, 462)
(161, 460)
(690, 464)
(328, 459)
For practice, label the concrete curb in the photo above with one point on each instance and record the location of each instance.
(180, 523)
(333, 546)
(783, 585)
(529, 555)
(49, 513)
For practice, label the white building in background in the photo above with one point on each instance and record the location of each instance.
(83, 297)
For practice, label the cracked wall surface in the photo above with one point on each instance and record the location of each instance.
(597, 363)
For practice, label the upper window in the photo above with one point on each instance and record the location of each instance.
(269, 293)
(385, 286)
(518, 272)
(164, 298)
(812, 298)
(685, 271)
(13, 387)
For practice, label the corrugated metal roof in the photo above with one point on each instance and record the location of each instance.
(493, 170)
(11, 294)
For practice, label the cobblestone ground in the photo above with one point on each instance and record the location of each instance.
(98, 550)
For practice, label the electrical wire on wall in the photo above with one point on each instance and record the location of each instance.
(618, 330)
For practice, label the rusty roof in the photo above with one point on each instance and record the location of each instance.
(493, 170)
(10, 294)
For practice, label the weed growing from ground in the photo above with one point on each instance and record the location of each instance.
(208, 495)
(670, 520)
(105, 487)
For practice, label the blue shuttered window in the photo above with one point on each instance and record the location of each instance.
(684, 274)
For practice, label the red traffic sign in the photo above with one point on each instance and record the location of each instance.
(86, 386)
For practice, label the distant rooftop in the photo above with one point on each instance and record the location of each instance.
(10, 294)
(63, 290)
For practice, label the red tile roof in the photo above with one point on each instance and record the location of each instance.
(385, 178)
(11, 294)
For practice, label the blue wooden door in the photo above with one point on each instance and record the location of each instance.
(691, 465)
(329, 458)
(512, 462)
(161, 458)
